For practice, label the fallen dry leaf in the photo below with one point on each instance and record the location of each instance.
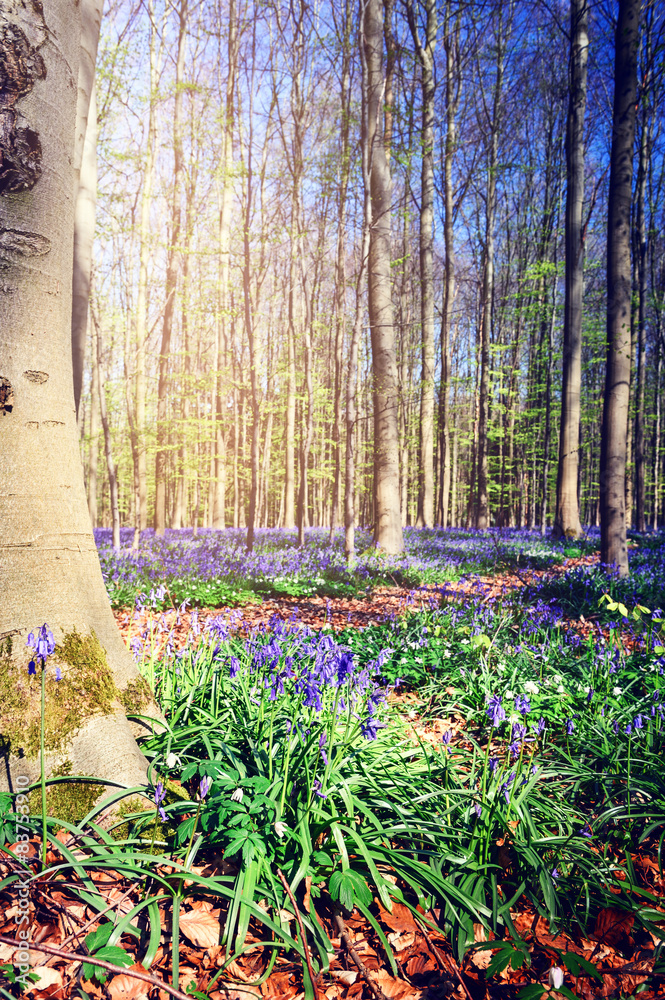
(200, 928)
(47, 977)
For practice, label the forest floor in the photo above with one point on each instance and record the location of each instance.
(617, 957)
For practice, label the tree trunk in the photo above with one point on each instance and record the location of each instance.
(613, 549)
(387, 520)
(641, 238)
(220, 438)
(85, 155)
(161, 457)
(49, 568)
(567, 514)
(106, 427)
(425, 53)
(482, 507)
(93, 461)
(451, 44)
(340, 265)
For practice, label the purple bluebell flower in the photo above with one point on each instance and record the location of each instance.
(32, 668)
(638, 722)
(554, 874)
(570, 727)
(493, 764)
(204, 787)
(317, 789)
(58, 674)
(586, 831)
(495, 710)
(590, 695)
(522, 704)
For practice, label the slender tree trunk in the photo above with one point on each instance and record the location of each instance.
(84, 223)
(567, 514)
(140, 330)
(220, 438)
(482, 507)
(387, 519)
(613, 548)
(93, 462)
(425, 53)
(641, 239)
(340, 264)
(451, 44)
(108, 448)
(161, 457)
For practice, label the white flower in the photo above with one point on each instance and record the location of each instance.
(501, 669)
(555, 977)
(465, 642)
(513, 718)
(172, 760)
(447, 654)
(560, 689)
(617, 692)
(280, 828)
(586, 689)
(237, 795)
(510, 694)
(531, 687)
(557, 678)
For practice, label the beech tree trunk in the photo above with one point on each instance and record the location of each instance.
(387, 519)
(567, 513)
(171, 280)
(613, 549)
(84, 220)
(425, 53)
(49, 568)
(482, 505)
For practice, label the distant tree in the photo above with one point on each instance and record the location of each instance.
(613, 548)
(567, 514)
(387, 518)
(425, 52)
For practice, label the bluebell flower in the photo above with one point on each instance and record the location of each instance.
(638, 722)
(204, 787)
(570, 727)
(495, 710)
(58, 674)
(32, 668)
(586, 831)
(493, 764)
(317, 789)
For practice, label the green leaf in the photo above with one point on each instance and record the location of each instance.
(564, 991)
(577, 965)
(345, 887)
(534, 991)
(97, 939)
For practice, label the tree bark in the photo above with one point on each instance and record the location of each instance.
(84, 222)
(613, 548)
(49, 568)
(425, 53)
(171, 280)
(567, 514)
(482, 506)
(387, 519)
(221, 434)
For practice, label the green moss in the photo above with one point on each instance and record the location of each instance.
(136, 696)
(68, 801)
(87, 688)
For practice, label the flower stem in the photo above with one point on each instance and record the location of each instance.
(42, 765)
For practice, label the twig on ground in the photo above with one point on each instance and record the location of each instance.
(357, 961)
(289, 893)
(445, 961)
(72, 956)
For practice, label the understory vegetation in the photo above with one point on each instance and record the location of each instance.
(487, 757)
